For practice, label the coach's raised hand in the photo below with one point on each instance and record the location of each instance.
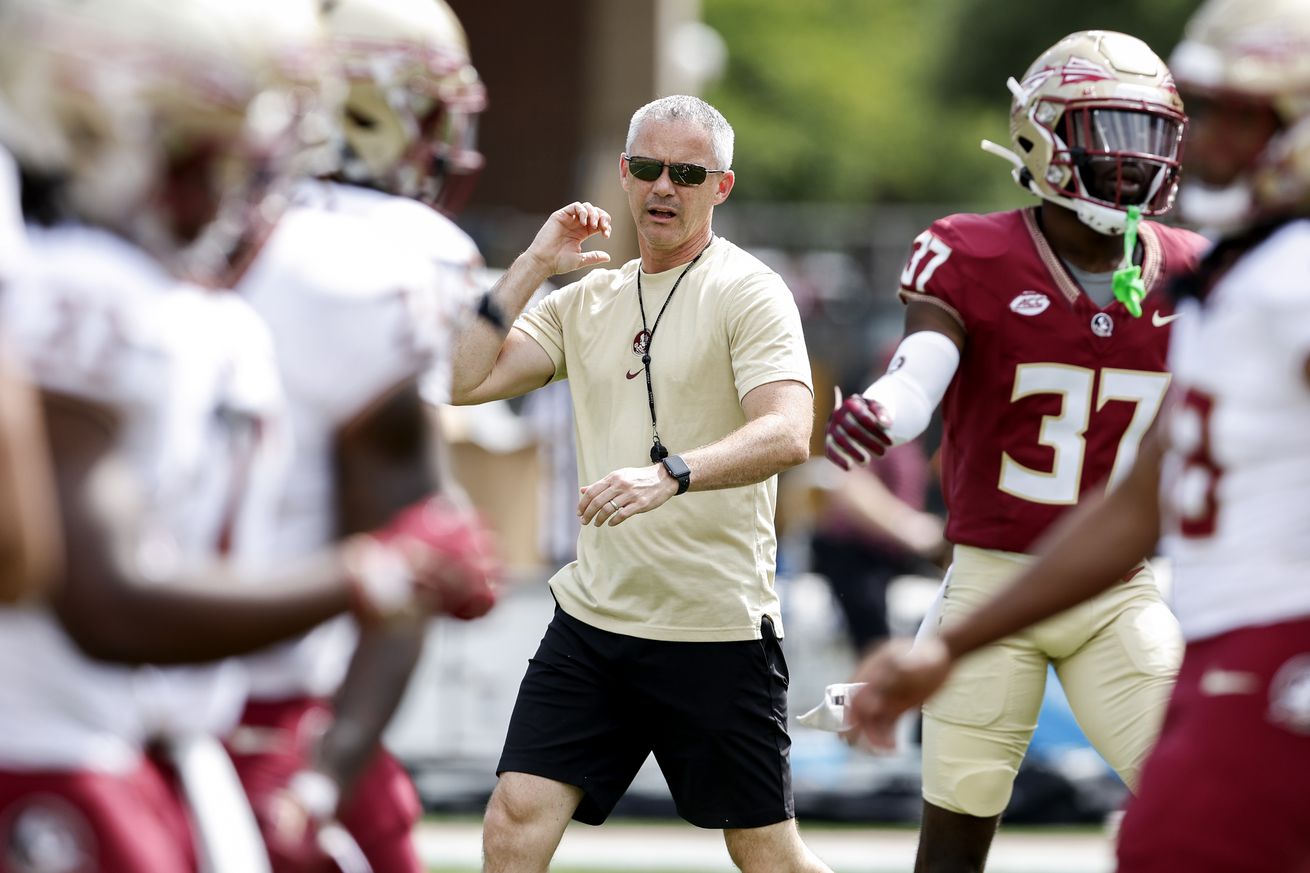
(557, 247)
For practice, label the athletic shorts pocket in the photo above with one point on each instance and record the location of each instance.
(773, 657)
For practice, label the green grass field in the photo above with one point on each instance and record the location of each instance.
(661, 846)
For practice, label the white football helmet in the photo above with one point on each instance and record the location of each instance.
(164, 121)
(1257, 52)
(1096, 126)
(412, 100)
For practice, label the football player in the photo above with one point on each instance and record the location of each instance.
(1221, 483)
(361, 283)
(146, 132)
(1042, 332)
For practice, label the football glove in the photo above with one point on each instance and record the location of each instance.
(857, 431)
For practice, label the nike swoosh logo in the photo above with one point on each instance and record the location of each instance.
(632, 375)
(1161, 320)
(1216, 683)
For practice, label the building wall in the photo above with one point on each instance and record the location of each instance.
(563, 80)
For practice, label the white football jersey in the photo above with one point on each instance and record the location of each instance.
(362, 291)
(96, 319)
(1237, 472)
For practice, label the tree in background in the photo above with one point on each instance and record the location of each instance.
(863, 101)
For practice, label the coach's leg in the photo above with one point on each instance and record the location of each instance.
(525, 820)
(775, 848)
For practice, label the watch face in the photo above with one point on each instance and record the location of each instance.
(678, 469)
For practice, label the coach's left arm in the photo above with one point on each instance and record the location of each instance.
(776, 435)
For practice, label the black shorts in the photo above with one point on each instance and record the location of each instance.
(594, 704)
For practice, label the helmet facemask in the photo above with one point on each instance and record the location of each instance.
(1121, 157)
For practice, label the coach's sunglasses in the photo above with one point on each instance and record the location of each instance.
(649, 169)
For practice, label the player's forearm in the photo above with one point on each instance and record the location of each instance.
(478, 345)
(29, 529)
(1092, 549)
(119, 617)
(369, 696)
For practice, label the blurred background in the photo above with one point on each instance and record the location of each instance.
(857, 124)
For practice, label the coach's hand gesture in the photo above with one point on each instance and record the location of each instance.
(558, 245)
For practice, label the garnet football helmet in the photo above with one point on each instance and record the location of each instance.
(1097, 126)
(412, 100)
(163, 121)
(1256, 52)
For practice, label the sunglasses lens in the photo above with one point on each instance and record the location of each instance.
(645, 169)
(687, 174)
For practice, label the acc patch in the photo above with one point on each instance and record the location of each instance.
(1030, 303)
(47, 834)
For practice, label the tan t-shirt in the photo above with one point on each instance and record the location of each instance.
(700, 567)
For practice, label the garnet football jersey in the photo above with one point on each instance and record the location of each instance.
(1053, 394)
(1237, 472)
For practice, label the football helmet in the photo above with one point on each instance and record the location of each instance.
(163, 121)
(1096, 126)
(412, 99)
(1256, 52)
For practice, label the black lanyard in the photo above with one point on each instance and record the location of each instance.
(657, 450)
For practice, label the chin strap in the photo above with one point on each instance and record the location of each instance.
(1129, 289)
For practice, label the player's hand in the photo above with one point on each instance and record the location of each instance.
(898, 676)
(292, 817)
(624, 493)
(434, 556)
(558, 245)
(857, 431)
(302, 833)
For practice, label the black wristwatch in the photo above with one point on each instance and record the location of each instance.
(679, 470)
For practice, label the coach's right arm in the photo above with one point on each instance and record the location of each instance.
(493, 361)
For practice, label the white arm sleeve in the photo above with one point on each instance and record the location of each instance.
(915, 382)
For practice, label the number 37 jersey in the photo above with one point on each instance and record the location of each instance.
(1053, 393)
